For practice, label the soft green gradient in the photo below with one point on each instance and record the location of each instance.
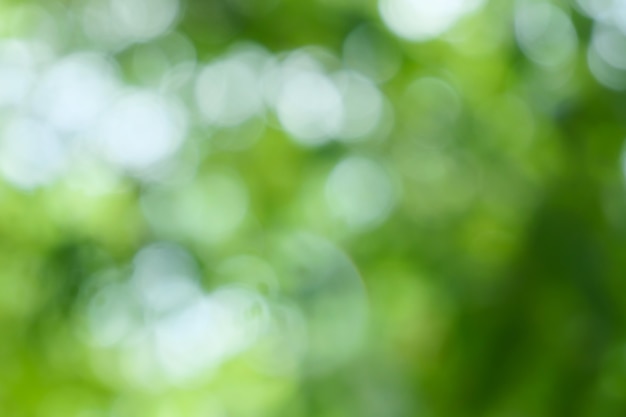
(312, 208)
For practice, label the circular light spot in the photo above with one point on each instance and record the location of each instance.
(597, 9)
(362, 105)
(276, 71)
(546, 34)
(164, 278)
(204, 334)
(421, 20)
(610, 44)
(310, 107)
(605, 56)
(367, 51)
(360, 192)
(227, 92)
(166, 327)
(619, 14)
(31, 154)
(141, 130)
(144, 19)
(115, 23)
(17, 71)
(75, 91)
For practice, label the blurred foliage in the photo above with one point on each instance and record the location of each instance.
(312, 208)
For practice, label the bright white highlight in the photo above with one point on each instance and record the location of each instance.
(17, 72)
(75, 91)
(310, 107)
(31, 154)
(204, 334)
(315, 107)
(167, 326)
(141, 130)
(421, 20)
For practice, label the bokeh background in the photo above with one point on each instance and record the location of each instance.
(324, 208)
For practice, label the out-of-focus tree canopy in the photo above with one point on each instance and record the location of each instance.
(312, 208)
